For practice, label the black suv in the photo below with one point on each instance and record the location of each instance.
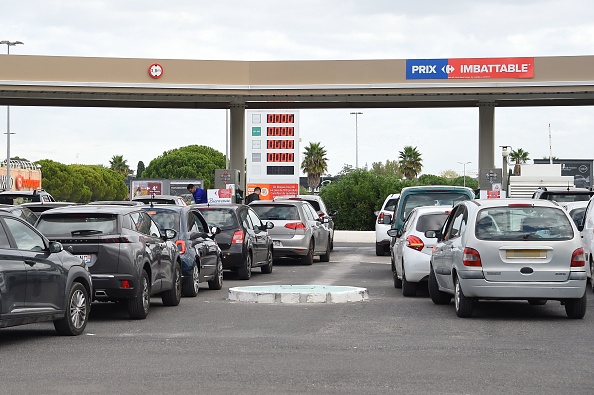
(39, 281)
(563, 194)
(129, 257)
(18, 197)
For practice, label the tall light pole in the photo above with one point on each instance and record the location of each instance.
(356, 114)
(505, 151)
(8, 45)
(464, 170)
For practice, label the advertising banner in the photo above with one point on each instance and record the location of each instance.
(469, 68)
(223, 195)
(270, 191)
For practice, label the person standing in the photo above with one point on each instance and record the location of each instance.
(198, 194)
(253, 196)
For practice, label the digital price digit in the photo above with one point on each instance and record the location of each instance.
(280, 118)
(278, 131)
(280, 157)
(280, 144)
(280, 170)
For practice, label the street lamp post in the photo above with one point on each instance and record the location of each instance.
(356, 114)
(8, 45)
(505, 151)
(464, 170)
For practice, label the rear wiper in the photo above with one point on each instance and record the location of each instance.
(85, 232)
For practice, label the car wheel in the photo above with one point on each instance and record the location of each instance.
(191, 284)
(172, 297)
(308, 259)
(379, 249)
(245, 272)
(217, 281)
(267, 269)
(332, 242)
(437, 296)
(408, 288)
(576, 308)
(326, 256)
(138, 306)
(397, 281)
(76, 313)
(537, 302)
(463, 305)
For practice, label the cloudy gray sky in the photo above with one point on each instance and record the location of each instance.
(298, 30)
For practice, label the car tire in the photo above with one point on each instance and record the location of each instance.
(308, 259)
(172, 297)
(138, 306)
(267, 269)
(537, 302)
(245, 272)
(397, 281)
(332, 243)
(217, 282)
(191, 284)
(326, 256)
(437, 296)
(379, 250)
(408, 288)
(76, 312)
(462, 304)
(576, 308)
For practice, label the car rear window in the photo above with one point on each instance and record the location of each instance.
(577, 215)
(276, 211)
(220, 217)
(431, 222)
(165, 219)
(523, 223)
(391, 205)
(69, 225)
(431, 199)
(568, 197)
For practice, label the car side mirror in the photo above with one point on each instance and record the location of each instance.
(431, 234)
(332, 213)
(215, 230)
(168, 234)
(55, 247)
(325, 220)
(580, 227)
(392, 233)
(387, 219)
(269, 225)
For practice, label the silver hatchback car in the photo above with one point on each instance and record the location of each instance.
(298, 230)
(508, 249)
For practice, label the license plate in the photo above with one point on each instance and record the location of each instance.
(86, 258)
(277, 243)
(525, 254)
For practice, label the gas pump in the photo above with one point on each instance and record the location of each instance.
(229, 179)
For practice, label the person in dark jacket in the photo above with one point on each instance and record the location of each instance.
(198, 194)
(253, 196)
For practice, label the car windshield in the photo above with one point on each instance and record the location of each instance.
(276, 211)
(220, 217)
(431, 222)
(523, 223)
(165, 219)
(568, 197)
(431, 199)
(68, 225)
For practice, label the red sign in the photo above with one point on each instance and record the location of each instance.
(491, 68)
(270, 191)
(494, 194)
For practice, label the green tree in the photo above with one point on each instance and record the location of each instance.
(140, 169)
(390, 168)
(450, 174)
(62, 182)
(314, 164)
(120, 165)
(410, 162)
(102, 183)
(192, 161)
(519, 156)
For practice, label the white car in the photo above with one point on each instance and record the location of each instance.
(586, 228)
(509, 249)
(412, 248)
(383, 223)
(576, 210)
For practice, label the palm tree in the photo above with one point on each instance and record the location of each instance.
(119, 165)
(314, 164)
(410, 162)
(520, 156)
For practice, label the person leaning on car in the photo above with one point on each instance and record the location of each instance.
(253, 196)
(198, 194)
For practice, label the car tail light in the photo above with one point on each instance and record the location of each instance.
(114, 239)
(380, 218)
(295, 225)
(237, 237)
(520, 205)
(181, 246)
(578, 258)
(471, 257)
(126, 284)
(415, 243)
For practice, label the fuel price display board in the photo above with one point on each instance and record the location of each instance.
(272, 145)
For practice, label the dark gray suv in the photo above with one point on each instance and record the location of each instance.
(129, 257)
(39, 281)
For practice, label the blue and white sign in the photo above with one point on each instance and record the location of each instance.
(427, 69)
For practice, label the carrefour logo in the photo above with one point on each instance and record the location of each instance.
(422, 69)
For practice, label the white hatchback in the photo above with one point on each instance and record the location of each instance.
(508, 249)
(383, 223)
(412, 248)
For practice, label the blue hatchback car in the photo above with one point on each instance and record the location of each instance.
(200, 254)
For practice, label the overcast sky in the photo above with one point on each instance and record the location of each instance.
(298, 30)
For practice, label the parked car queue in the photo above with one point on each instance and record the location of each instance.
(127, 252)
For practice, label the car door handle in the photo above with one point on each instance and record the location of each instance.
(30, 263)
